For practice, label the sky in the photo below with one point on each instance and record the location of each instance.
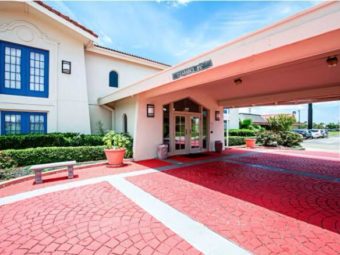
(174, 31)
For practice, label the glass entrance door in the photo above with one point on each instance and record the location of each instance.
(195, 133)
(185, 127)
(180, 146)
(187, 137)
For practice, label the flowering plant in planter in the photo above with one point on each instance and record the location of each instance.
(116, 145)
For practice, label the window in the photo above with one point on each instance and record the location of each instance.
(186, 105)
(37, 71)
(23, 70)
(125, 124)
(113, 79)
(23, 123)
(12, 68)
(37, 123)
(12, 123)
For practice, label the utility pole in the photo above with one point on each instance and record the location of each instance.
(310, 116)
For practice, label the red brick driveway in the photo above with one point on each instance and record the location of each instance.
(265, 203)
(95, 219)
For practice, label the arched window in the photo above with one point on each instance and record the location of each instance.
(125, 124)
(113, 79)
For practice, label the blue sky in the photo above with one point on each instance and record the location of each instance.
(173, 31)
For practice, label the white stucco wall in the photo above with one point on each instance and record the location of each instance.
(232, 117)
(98, 67)
(67, 105)
(126, 106)
(149, 131)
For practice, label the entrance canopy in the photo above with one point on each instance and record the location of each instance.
(293, 61)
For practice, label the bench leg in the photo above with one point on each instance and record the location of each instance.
(38, 177)
(70, 172)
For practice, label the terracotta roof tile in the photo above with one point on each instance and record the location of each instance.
(90, 31)
(66, 17)
(128, 54)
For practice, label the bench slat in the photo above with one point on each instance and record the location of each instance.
(58, 164)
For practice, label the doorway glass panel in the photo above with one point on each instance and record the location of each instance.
(166, 125)
(195, 132)
(186, 105)
(180, 133)
(205, 128)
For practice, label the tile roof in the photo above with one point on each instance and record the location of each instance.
(131, 55)
(256, 118)
(67, 18)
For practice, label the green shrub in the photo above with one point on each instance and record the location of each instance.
(268, 138)
(236, 140)
(242, 132)
(48, 140)
(246, 123)
(290, 139)
(6, 174)
(6, 161)
(283, 138)
(119, 140)
(281, 122)
(32, 156)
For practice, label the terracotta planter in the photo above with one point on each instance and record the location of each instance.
(115, 156)
(250, 142)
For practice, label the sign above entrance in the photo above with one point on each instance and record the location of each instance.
(193, 69)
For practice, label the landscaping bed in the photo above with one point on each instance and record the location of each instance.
(18, 152)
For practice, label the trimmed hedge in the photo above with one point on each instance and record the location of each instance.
(236, 140)
(49, 140)
(282, 138)
(26, 157)
(242, 132)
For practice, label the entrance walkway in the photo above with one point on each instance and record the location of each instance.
(238, 203)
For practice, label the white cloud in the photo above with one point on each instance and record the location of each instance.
(104, 39)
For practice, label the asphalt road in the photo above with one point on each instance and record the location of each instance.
(324, 144)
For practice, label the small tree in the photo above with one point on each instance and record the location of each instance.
(320, 125)
(332, 125)
(246, 124)
(281, 122)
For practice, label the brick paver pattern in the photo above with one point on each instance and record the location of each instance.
(312, 165)
(80, 174)
(95, 219)
(260, 209)
(263, 211)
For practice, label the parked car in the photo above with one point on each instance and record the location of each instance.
(324, 132)
(306, 134)
(316, 133)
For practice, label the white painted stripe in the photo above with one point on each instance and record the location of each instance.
(195, 233)
(65, 186)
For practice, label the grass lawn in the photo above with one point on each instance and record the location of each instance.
(333, 133)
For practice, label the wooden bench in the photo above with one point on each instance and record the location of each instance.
(38, 169)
